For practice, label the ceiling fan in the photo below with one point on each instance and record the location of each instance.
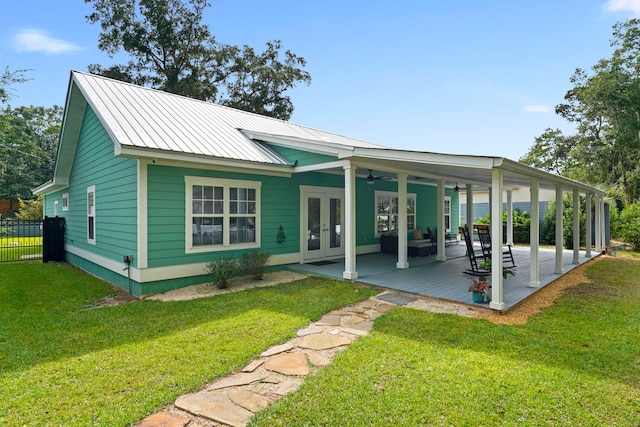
(371, 179)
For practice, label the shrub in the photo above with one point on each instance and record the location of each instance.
(253, 263)
(222, 270)
(629, 225)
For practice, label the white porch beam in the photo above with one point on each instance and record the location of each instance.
(559, 228)
(534, 233)
(402, 221)
(470, 206)
(598, 242)
(497, 294)
(588, 224)
(440, 229)
(509, 217)
(576, 226)
(350, 272)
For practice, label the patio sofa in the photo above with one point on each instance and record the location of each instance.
(423, 246)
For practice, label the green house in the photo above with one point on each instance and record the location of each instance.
(173, 183)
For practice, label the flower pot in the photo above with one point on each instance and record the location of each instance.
(478, 297)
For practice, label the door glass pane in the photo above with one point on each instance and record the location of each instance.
(313, 224)
(335, 239)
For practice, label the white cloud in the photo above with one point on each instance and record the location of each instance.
(537, 108)
(32, 40)
(623, 5)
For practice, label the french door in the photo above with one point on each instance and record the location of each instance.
(322, 223)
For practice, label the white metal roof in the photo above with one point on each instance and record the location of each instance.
(145, 118)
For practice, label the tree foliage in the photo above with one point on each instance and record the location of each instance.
(7, 79)
(604, 104)
(28, 147)
(171, 49)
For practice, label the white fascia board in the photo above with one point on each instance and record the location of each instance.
(321, 166)
(478, 162)
(51, 186)
(171, 158)
(530, 171)
(312, 146)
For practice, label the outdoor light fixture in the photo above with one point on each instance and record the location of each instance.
(456, 189)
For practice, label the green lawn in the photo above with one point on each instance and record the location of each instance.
(63, 362)
(13, 248)
(576, 363)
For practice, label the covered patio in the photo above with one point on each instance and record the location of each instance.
(427, 276)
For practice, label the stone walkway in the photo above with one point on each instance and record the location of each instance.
(233, 399)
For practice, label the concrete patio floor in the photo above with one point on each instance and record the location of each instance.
(446, 279)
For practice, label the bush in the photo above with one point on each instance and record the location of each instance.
(222, 270)
(253, 263)
(629, 225)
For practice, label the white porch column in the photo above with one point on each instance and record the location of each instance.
(559, 228)
(440, 229)
(402, 221)
(534, 232)
(509, 217)
(598, 247)
(497, 294)
(490, 204)
(470, 207)
(576, 226)
(588, 224)
(350, 272)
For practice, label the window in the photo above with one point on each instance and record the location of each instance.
(91, 214)
(221, 214)
(387, 212)
(65, 202)
(447, 213)
(55, 208)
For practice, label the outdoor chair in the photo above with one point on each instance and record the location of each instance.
(476, 256)
(484, 237)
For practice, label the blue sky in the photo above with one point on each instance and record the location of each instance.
(466, 76)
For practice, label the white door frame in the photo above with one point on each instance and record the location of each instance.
(324, 194)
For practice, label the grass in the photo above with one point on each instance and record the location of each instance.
(65, 362)
(13, 248)
(576, 363)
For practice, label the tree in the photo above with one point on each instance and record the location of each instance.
(28, 147)
(7, 79)
(172, 50)
(604, 104)
(551, 152)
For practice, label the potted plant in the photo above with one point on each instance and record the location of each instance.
(478, 288)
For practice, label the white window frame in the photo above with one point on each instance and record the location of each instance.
(91, 214)
(226, 215)
(65, 201)
(447, 213)
(411, 201)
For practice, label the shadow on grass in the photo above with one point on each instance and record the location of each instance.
(43, 310)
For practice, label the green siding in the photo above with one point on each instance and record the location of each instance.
(302, 158)
(116, 194)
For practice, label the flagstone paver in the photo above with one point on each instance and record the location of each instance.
(215, 407)
(281, 369)
(248, 400)
(253, 365)
(323, 341)
(277, 349)
(164, 419)
(289, 364)
(236, 380)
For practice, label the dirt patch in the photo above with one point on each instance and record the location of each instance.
(120, 297)
(239, 284)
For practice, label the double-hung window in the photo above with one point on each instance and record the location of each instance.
(65, 202)
(91, 214)
(387, 212)
(447, 213)
(222, 214)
